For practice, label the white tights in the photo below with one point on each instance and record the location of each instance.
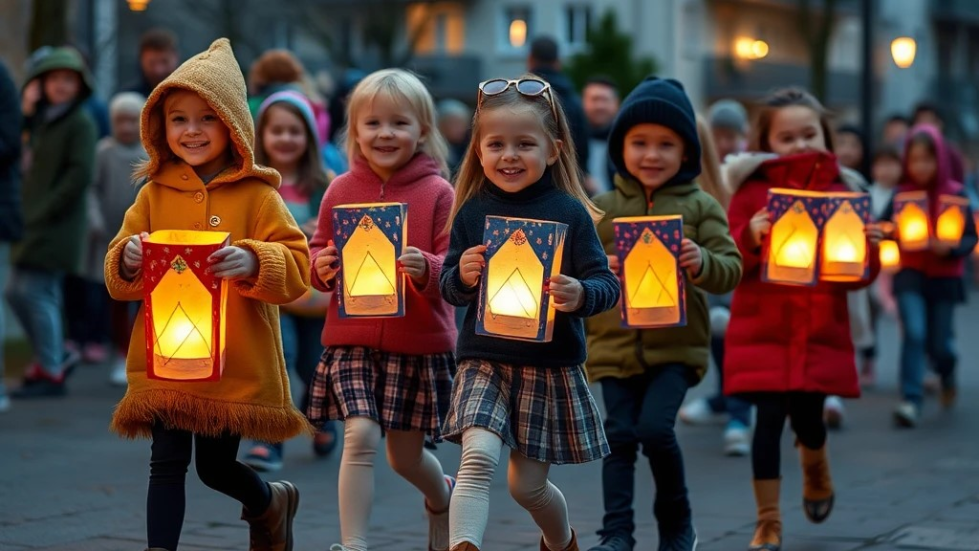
(408, 458)
(527, 480)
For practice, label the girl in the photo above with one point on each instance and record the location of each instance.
(287, 142)
(389, 374)
(645, 374)
(930, 284)
(61, 141)
(532, 397)
(787, 347)
(201, 173)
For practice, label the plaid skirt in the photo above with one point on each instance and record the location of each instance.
(547, 414)
(399, 391)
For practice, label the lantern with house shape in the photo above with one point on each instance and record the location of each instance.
(184, 306)
(844, 243)
(792, 247)
(913, 222)
(521, 257)
(950, 225)
(890, 256)
(370, 238)
(648, 248)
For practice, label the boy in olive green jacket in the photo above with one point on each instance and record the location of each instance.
(645, 373)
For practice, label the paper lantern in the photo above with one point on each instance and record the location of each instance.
(521, 257)
(911, 215)
(890, 256)
(844, 243)
(648, 248)
(952, 211)
(792, 244)
(184, 306)
(370, 238)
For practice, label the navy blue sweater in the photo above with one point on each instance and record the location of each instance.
(583, 259)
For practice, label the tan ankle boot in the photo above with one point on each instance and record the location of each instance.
(768, 530)
(573, 546)
(272, 530)
(817, 485)
(465, 546)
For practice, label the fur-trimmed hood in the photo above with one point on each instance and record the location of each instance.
(802, 171)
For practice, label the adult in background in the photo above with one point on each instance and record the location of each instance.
(11, 219)
(455, 119)
(600, 100)
(728, 121)
(545, 62)
(895, 130)
(159, 56)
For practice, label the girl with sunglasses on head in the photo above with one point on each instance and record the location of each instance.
(533, 397)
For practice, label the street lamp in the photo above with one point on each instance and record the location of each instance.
(138, 5)
(750, 48)
(903, 49)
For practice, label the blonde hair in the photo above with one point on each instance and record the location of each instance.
(472, 179)
(407, 91)
(711, 178)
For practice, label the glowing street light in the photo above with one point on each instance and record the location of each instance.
(903, 49)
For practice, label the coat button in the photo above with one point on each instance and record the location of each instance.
(184, 177)
(197, 225)
(214, 221)
(198, 197)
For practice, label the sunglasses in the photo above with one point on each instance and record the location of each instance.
(529, 87)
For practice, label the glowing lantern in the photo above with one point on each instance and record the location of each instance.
(653, 284)
(890, 256)
(521, 257)
(975, 220)
(952, 211)
(911, 214)
(184, 306)
(797, 217)
(844, 250)
(370, 238)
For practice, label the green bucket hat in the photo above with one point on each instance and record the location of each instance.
(63, 58)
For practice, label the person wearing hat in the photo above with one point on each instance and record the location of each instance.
(646, 373)
(728, 121)
(61, 136)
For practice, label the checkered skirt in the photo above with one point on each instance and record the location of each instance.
(547, 414)
(399, 391)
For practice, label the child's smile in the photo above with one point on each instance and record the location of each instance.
(513, 148)
(195, 133)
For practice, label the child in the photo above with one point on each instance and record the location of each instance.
(930, 284)
(533, 397)
(391, 375)
(788, 347)
(112, 194)
(62, 138)
(645, 374)
(202, 175)
(288, 142)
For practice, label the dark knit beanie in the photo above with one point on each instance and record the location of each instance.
(663, 102)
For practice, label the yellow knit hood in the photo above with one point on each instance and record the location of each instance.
(215, 76)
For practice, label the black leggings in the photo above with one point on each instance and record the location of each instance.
(805, 412)
(217, 468)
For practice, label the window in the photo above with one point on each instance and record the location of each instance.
(517, 28)
(437, 28)
(577, 21)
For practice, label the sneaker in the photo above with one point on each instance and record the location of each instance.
(4, 403)
(737, 440)
(438, 522)
(94, 353)
(906, 414)
(699, 412)
(41, 388)
(264, 458)
(325, 440)
(614, 542)
(118, 375)
(833, 412)
(684, 540)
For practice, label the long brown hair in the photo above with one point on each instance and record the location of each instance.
(711, 179)
(311, 175)
(471, 178)
(787, 97)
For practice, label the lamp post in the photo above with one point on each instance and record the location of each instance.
(903, 50)
(867, 83)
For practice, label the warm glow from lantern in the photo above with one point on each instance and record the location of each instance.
(518, 33)
(369, 258)
(912, 226)
(951, 221)
(844, 243)
(890, 255)
(903, 50)
(792, 251)
(651, 284)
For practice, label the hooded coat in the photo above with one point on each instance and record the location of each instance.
(252, 398)
(783, 338)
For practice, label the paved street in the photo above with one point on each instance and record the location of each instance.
(66, 483)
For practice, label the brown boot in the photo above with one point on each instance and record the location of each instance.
(272, 530)
(768, 530)
(465, 546)
(573, 546)
(817, 485)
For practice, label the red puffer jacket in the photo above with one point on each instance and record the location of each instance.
(783, 338)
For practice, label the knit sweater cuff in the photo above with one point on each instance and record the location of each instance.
(120, 288)
(270, 283)
(588, 304)
(431, 287)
